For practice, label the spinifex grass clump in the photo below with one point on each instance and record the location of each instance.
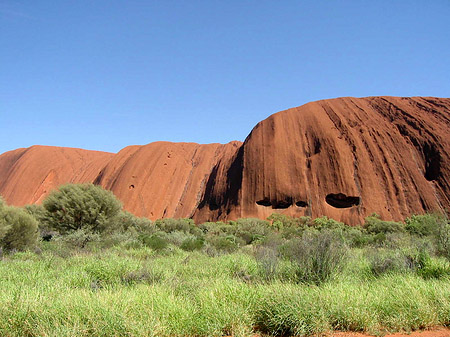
(318, 255)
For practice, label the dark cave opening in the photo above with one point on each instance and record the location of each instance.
(264, 202)
(301, 203)
(340, 200)
(282, 204)
(432, 162)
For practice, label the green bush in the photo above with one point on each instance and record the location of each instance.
(374, 225)
(327, 223)
(18, 228)
(78, 238)
(4, 226)
(421, 225)
(225, 243)
(251, 229)
(318, 255)
(171, 225)
(155, 241)
(279, 221)
(192, 244)
(442, 237)
(125, 221)
(216, 228)
(356, 236)
(81, 206)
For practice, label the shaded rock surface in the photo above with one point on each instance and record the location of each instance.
(345, 158)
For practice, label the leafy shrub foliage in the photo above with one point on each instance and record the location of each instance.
(442, 237)
(171, 225)
(192, 244)
(125, 221)
(19, 230)
(4, 226)
(81, 206)
(422, 225)
(374, 225)
(156, 241)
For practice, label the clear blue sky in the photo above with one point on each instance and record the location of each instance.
(106, 74)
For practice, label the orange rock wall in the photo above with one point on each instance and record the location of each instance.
(345, 158)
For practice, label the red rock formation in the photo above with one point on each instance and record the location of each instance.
(163, 179)
(28, 175)
(344, 158)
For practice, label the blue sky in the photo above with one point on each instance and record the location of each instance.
(106, 74)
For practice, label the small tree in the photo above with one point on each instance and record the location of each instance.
(21, 228)
(81, 206)
(4, 226)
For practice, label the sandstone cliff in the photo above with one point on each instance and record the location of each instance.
(344, 158)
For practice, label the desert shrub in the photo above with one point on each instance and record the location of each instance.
(374, 225)
(46, 232)
(129, 239)
(279, 221)
(318, 255)
(4, 226)
(225, 243)
(421, 225)
(125, 221)
(356, 237)
(170, 225)
(292, 232)
(191, 244)
(327, 223)
(79, 238)
(442, 237)
(155, 241)
(81, 206)
(177, 237)
(217, 228)
(37, 211)
(251, 229)
(19, 229)
(396, 240)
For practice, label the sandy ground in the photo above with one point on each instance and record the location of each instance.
(437, 332)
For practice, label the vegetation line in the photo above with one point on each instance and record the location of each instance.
(80, 266)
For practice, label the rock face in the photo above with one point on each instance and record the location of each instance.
(345, 158)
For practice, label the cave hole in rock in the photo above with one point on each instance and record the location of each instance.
(264, 202)
(213, 205)
(281, 204)
(317, 146)
(340, 200)
(432, 162)
(301, 203)
(131, 187)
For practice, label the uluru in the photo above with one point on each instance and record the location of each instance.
(344, 158)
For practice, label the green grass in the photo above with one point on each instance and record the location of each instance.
(138, 292)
